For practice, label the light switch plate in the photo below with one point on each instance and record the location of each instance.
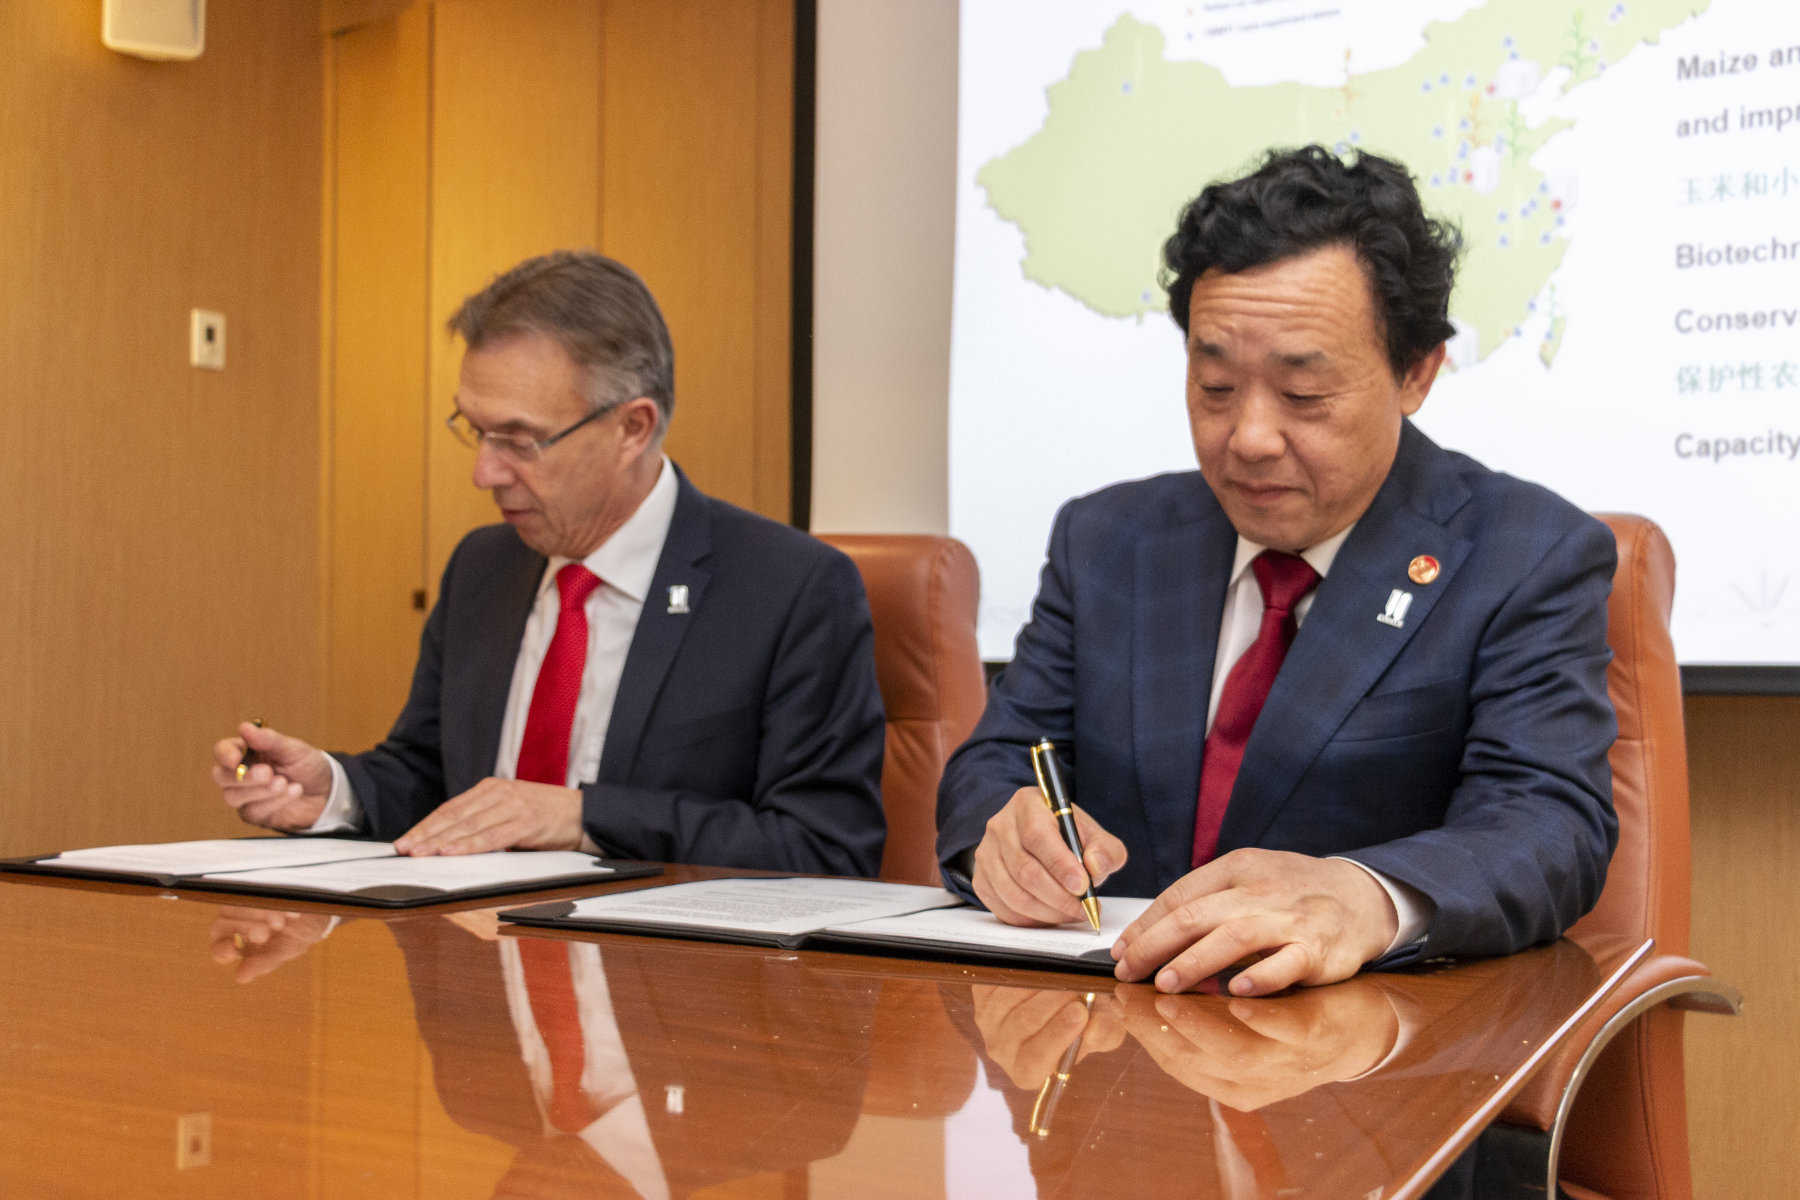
(206, 339)
(193, 1140)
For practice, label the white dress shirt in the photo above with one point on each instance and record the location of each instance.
(626, 563)
(1237, 633)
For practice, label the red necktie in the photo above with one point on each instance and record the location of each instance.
(544, 753)
(1284, 579)
(550, 983)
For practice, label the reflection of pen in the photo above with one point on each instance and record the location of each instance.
(1052, 1089)
(249, 760)
(1050, 784)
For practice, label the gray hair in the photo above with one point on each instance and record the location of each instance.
(596, 309)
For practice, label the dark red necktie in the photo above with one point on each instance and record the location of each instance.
(1284, 579)
(550, 982)
(544, 753)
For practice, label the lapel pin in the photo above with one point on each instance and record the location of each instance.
(678, 598)
(1395, 612)
(1422, 569)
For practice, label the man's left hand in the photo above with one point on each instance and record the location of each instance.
(499, 814)
(1318, 920)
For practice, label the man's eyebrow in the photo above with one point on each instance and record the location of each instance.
(1302, 362)
(1208, 349)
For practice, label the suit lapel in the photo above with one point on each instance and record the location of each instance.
(1342, 649)
(499, 624)
(1174, 642)
(659, 631)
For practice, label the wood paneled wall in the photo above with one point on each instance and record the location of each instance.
(1744, 1071)
(470, 134)
(161, 541)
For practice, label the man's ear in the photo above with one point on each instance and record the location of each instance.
(637, 424)
(1416, 384)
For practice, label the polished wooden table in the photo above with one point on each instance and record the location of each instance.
(373, 1055)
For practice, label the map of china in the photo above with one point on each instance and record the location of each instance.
(1096, 190)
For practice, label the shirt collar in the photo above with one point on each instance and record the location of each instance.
(626, 561)
(1318, 557)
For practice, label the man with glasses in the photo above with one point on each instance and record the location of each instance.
(626, 665)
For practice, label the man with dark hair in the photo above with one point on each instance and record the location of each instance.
(1340, 696)
(626, 665)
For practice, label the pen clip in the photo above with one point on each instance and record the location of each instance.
(1038, 750)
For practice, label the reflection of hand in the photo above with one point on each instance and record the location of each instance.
(1321, 919)
(260, 939)
(484, 923)
(499, 814)
(1248, 1053)
(286, 789)
(1024, 873)
(1026, 1030)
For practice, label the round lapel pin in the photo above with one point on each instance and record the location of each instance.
(1422, 569)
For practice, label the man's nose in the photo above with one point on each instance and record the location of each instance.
(492, 468)
(1259, 434)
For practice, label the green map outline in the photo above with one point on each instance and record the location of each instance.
(1097, 188)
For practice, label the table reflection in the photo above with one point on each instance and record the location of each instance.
(610, 1069)
(406, 1055)
(1289, 1094)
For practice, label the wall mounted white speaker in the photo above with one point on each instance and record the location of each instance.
(155, 29)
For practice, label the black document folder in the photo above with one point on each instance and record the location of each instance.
(836, 914)
(332, 870)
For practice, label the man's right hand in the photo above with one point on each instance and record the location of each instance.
(285, 789)
(1024, 873)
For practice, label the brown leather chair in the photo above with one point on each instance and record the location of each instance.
(923, 593)
(1614, 1100)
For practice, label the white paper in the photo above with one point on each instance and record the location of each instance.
(447, 872)
(973, 927)
(224, 854)
(774, 906)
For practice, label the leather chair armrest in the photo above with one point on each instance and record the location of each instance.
(1548, 1100)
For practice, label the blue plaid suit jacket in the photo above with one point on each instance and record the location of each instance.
(1463, 752)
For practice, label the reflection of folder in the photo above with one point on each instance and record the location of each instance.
(332, 870)
(840, 914)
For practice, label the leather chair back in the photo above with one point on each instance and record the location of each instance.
(1626, 1137)
(1647, 885)
(923, 593)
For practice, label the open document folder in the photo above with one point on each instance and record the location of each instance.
(338, 870)
(839, 914)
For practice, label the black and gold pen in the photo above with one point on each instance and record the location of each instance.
(1050, 783)
(249, 760)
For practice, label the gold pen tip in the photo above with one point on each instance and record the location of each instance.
(1092, 909)
(242, 771)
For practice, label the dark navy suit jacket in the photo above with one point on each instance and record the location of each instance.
(1464, 752)
(747, 731)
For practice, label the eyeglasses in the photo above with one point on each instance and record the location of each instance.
(511, 445)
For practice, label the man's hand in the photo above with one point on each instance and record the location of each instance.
(286, 789)
(1251, 1053)
(1023, 872)
(499, 814)
(259, 939)
(1320, 919)
(1026, 1030)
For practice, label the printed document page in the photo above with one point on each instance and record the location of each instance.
(785, 907)
(448, 872)
(224, 854)
(973, 927)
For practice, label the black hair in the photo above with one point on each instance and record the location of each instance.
(1301, 200)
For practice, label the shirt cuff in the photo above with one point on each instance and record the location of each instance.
(1412, 908)
(343, 813)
